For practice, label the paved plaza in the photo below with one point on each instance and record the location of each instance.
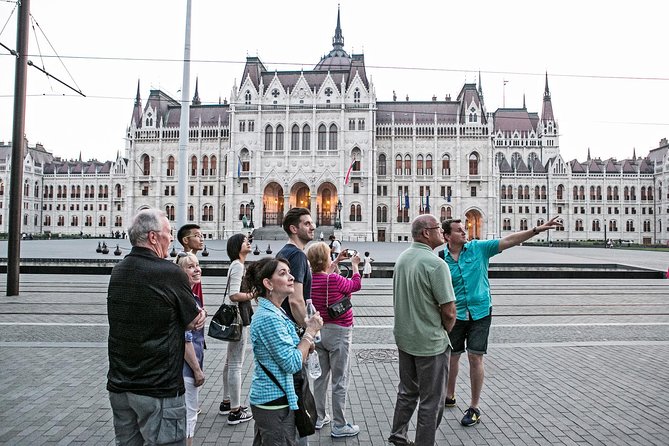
(570, 361)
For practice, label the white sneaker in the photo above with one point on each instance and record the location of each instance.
(320, 423)
(347, 430)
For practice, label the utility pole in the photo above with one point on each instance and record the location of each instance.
(184, 129)
(18, 143)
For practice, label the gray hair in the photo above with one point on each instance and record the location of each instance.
(145, 221)
(421, 222)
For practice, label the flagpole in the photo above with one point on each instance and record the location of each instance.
(182, 172)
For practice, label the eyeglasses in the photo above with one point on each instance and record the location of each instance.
(195, 235)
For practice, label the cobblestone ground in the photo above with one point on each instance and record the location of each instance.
(570, 362)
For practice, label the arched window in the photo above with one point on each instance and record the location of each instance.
(146, 165)
(356, 95)
(649, 195)
(609, 193)
(279, 138)
(333, 137)
(474, 164)
(382, 214)
(193, 165)
(269, 138)
(560, 192)
(407, 164)
(191, 213)
(419, 165)
(247, 97)
(119, 221)
(446, 165)
(626, 193)
(322, 133)
(615, 193)
(295, 138)
(599, 192)
(581, 193)
(213, 165)
(381, 167)
(536, 193)
(205, 165)
(633, 193)
(643, 193)
(428, 165)
(520, 192)
(118, 191)
(543, 192)
(527, 192)
(398, 165)
(103, 219)
(356, 213)
(306, 137)
(592, 193)
(37, 190)
(356, 155)
(170, 166)
(502, 192)
(509, 192)
(169, 210)
(575, 192)
(105, 195)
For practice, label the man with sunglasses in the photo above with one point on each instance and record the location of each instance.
(424, 309)
(149, 306)
(468, 262)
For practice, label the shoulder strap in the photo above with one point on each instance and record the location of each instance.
(327, 290)
(442, 254)
(272, 377)
(227, 286)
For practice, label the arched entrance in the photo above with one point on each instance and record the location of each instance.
(272, 205)
(326, 203)
(300, 196)
(473, 224)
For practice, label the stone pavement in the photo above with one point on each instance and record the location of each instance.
(570, 362)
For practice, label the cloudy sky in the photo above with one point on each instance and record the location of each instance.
(606, 61)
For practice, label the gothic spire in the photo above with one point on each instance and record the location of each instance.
(480, 87)
(524, 106)
(338, 39)
(547, 110)
(589, 154)
(137, 110)
(196, 96)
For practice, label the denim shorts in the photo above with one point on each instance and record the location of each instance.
(472, 333)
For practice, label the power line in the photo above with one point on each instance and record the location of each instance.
(381, 67)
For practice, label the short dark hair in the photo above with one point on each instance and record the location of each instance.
(260, 270)
(184, 230)
(234, 246)
(292, 218)
(446, 225)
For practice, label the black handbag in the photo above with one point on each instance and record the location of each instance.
(305, 415)
(226, 325)
(338, 308)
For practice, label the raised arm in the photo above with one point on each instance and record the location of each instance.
(517, 238)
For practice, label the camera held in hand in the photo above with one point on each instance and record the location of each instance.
(351, 253)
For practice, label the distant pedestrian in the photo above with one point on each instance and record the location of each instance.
(367, 268)
(468, 262)
(149, 307)
(322, 236)
(335, 247)
(424, 309)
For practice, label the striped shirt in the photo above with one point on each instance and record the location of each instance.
(337, 288)
(275, 346)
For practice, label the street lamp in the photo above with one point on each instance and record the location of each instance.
(252, 206)
(338, 221)
(605, 239)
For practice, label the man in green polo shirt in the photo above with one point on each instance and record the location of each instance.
(424, 309)
(468, 262)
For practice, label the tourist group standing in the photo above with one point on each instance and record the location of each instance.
(302, 326)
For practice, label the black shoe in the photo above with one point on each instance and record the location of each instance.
(224, 408)
(241, 416)
(472, 417)
(450, 402)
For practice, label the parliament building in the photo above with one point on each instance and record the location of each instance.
(320, 139)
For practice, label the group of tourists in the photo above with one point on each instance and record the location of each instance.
(442, 307)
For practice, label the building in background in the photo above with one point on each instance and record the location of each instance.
(365, 168)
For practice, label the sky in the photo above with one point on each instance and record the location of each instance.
(607, 75)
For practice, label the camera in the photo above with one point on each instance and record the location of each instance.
(351, 253)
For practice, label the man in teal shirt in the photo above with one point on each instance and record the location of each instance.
(424, 309)
(468, 263)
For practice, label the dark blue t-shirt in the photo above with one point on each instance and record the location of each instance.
(299, 269)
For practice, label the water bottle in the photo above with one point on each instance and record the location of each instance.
(311, 310)
(313, 365)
